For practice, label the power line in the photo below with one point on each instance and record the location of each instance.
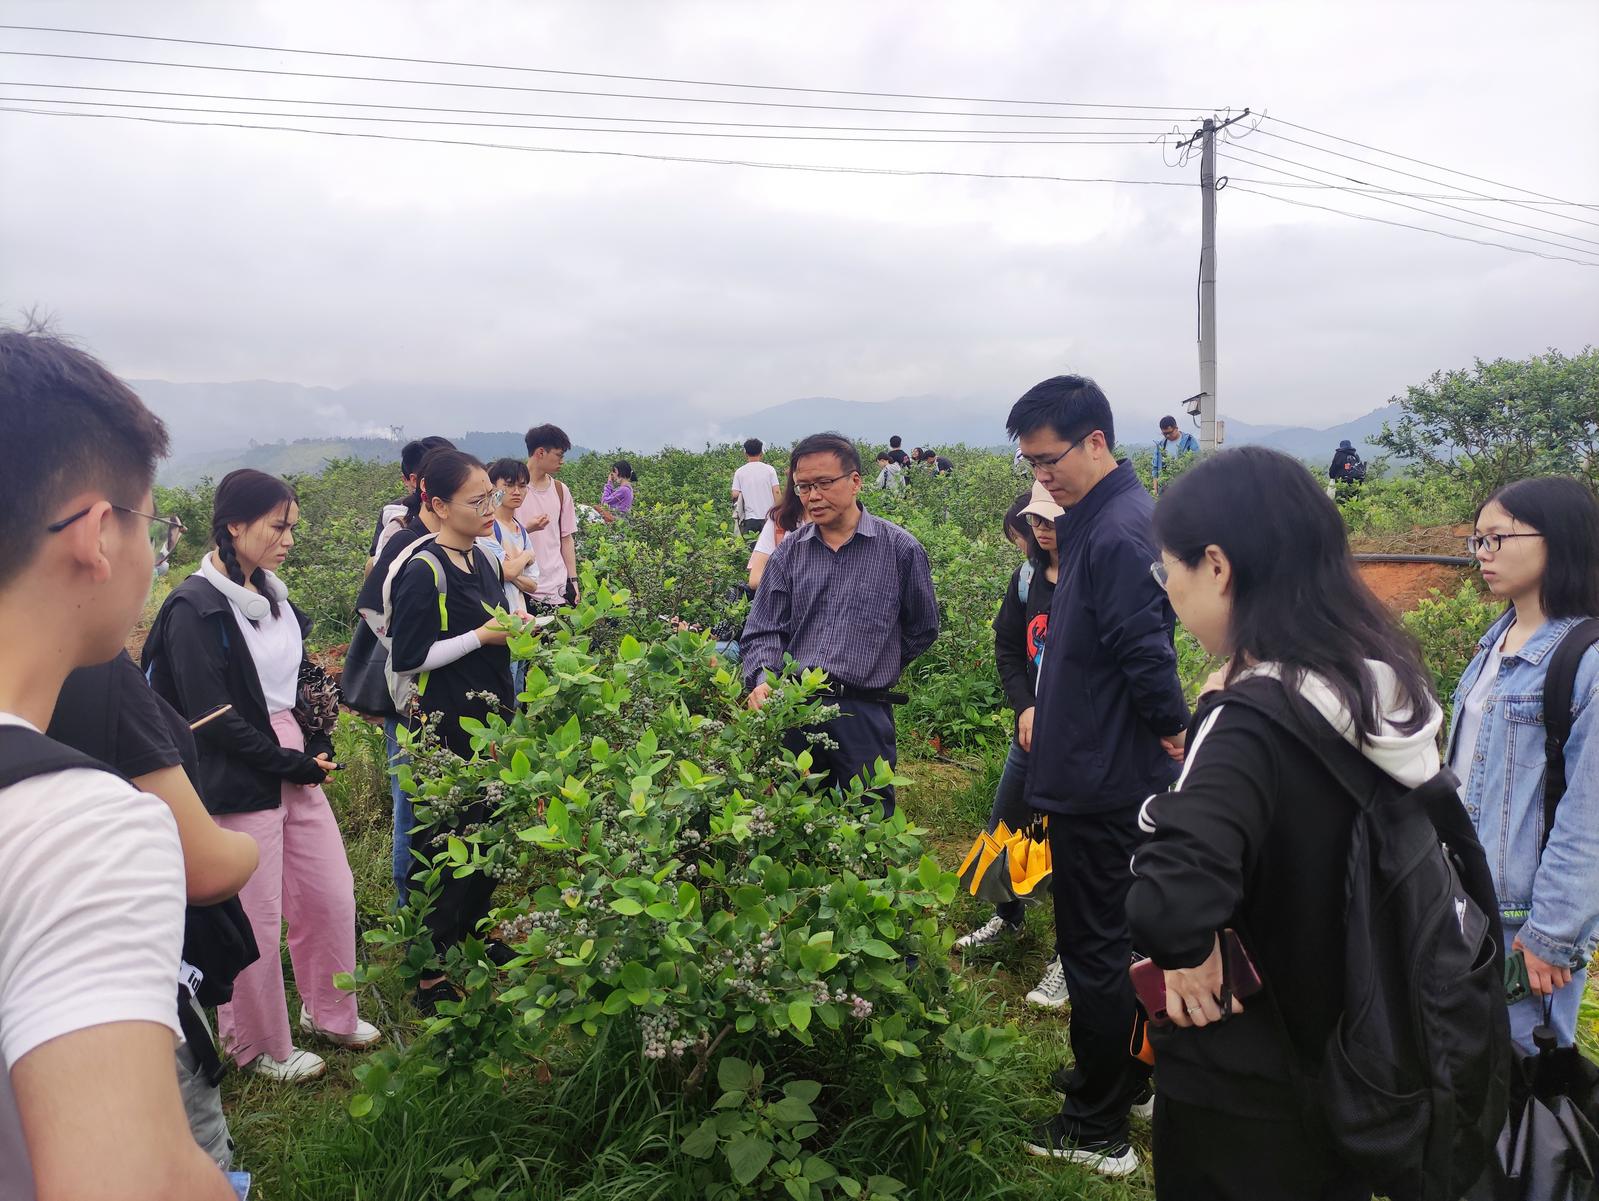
(821, 168)
(1076, 138)
(1420, 228)
(495, 112)
(1409, 174)
(1375, 191)
(1495, 228)
(764, 87)
(505, 87)
(1421, 162)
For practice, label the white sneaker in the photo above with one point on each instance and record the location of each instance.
(300, 1065)
(1051, 991)
(1144, 1107)
(990, 932)
(364, 1035)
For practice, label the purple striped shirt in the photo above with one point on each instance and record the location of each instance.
(861, 613)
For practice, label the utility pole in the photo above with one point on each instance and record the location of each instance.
(1207, 290)
(1206, 135)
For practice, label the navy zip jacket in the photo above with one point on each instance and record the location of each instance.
(1107, 689)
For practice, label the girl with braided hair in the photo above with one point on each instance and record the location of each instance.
(229, 636)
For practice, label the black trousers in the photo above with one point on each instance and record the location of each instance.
(752, 525)
(1204, 1155)
(1091, 858)
(864, 732)
(461, 903)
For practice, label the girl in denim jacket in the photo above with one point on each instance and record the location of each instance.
(1537, 542)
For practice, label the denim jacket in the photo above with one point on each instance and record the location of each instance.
(1555, 900)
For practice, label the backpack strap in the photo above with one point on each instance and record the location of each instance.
(1559, 682)
(560, 507)
(26, 753)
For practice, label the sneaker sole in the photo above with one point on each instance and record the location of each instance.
(1043, 1002)
(1124, 1164)
(348, 1041)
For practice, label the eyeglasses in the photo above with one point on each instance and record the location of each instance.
(806, 487)
(165, 532)
(483, 505)
(1038, 521)
(1031, 466)
(1158, 570)
(1492, 542)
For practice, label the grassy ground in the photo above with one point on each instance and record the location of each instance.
(300, 1144)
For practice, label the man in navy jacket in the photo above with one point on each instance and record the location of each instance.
(1108, 732)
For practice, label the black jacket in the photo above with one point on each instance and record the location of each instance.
(196, 659)
(1255, 837)
(1345, 464)
(1020, 632)
(1107, 689)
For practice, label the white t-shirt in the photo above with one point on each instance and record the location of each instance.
(91, 922)
(512, 538)
(275, 645)
(766, 543)
(754, 483)
(1470, 724)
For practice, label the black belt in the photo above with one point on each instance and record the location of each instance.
(877, 696)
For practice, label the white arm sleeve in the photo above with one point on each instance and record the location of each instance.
(447, 650)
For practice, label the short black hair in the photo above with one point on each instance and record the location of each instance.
(69, 424)
(1071, 405)
(625, 469)
(547, 437)
(1168, 422)
(894, 441)
(1567, 515)
(415, 451)
(882, 457)
(826, 444)
(753, 446)
(509, 470)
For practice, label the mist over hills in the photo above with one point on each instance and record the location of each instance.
(284, 427)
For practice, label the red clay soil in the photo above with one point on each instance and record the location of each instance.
(1401, 585)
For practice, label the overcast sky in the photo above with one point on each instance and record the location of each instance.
(224, 254)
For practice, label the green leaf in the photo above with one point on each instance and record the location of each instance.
(800, 1190)
(734, 1075)
(360, 1105)
(635, 976)
(791, 1110)
(627, 906)
(629, 649)
(799, 1012)
(927, 872)
(805, 1090)
(747, 897)
(878, 948)
(745, 1023)
(748, 1157)
(702, 1143)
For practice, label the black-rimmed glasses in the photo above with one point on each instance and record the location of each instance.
(809, 486)
(1030, 466)
(1492, 542)
(165, 532)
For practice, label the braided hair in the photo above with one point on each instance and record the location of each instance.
(246, 496)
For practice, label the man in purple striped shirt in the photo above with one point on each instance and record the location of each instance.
(849, 593)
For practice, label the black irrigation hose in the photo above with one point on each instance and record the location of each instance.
(1445, 560)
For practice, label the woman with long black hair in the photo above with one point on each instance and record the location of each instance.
(1537, 543)
(229, 636)
(1255, 836)
(440, 632)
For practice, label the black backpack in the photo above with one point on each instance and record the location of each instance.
(1413, 1088)
(1560, 680)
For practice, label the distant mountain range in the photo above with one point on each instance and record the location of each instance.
(281, 427)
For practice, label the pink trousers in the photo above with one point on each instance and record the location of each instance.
(304, 879)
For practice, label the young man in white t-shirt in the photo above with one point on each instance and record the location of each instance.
(91, 871)
(755, 489)
(550, 517)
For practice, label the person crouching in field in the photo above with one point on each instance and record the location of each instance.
(462, 666)
(228, 635)
(849, 593)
